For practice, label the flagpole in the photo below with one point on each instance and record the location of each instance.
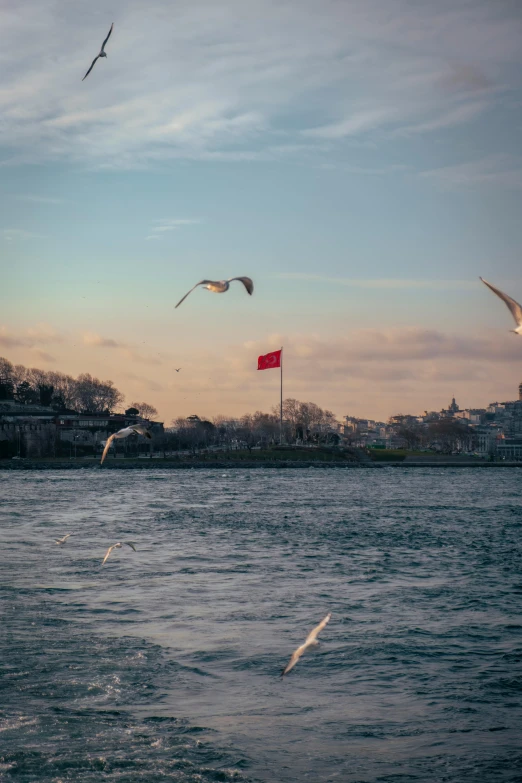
(281, 408)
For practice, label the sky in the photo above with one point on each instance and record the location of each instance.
(358, 159)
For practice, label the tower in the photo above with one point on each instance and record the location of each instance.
(453, 407)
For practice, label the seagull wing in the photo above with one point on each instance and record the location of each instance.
(141, 430)
(514, 307)
(107, 447)
(108, 36)
(310, 639)
(247, 282)
(90, 69)
(201, 282)
(129, 543)
(293, 659)
(108, 553)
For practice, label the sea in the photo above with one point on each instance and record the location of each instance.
(164, 664)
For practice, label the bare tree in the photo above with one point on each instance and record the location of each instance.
(19, 374)
(83, 393)
(146, 411)
(266, 427)
(64, 389)
(413, 434)
(6, 380)
(6, 369)
(35, 377)
(450, 435)
(305, 420)
(96, 396)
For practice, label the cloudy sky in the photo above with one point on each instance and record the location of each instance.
(359, 159)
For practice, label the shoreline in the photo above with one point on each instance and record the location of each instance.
(238, 465)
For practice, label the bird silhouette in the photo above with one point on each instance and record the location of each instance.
(220, 286)
(101, 54)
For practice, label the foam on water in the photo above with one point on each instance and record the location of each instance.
(164, 663)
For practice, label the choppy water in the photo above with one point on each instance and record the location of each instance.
(164, 664)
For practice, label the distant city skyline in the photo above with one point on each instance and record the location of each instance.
(145, 408)
(359, 160)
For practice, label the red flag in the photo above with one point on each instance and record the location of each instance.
(269, 361)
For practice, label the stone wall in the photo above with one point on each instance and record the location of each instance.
(27, 438)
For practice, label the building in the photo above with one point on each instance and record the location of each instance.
(27, 436)
(39, 431)
(508, 448)
(450, 411)
(472, 415)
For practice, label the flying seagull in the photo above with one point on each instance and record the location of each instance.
(124, 433)
(178, 368)
(514, 307)
(101, 54)
(220, 286)
(311, 639)
(63, 540)
(117, 546)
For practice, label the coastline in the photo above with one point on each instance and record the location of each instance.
(145, 464)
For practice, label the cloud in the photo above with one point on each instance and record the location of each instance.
(395, 121)
(40, 334)
(144, 383)
(382, 371)
(457, 116)
(44, 333)
(140, 358)
(39, 199)
(9, 340)
(91, 338)
(215, 89)
(11, 234)
(393, 283)
(171, 224)
(408, 350)
(353, 125)
(396, 362)
(97, 341)
(465, 76)
(44, 357)
(373, 171)
(494, 171)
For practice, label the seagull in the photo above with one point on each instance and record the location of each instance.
(220, 286)
(514, 307)
(311, 639)
(124, 433)
(63, 540)
(117, 546)
(101, 54)
(179, 368)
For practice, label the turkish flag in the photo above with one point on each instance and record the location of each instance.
(269, 361)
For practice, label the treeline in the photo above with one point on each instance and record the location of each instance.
(29, 385)
(303, 422)
(446, 435)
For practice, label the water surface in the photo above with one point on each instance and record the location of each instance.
(164, 664)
